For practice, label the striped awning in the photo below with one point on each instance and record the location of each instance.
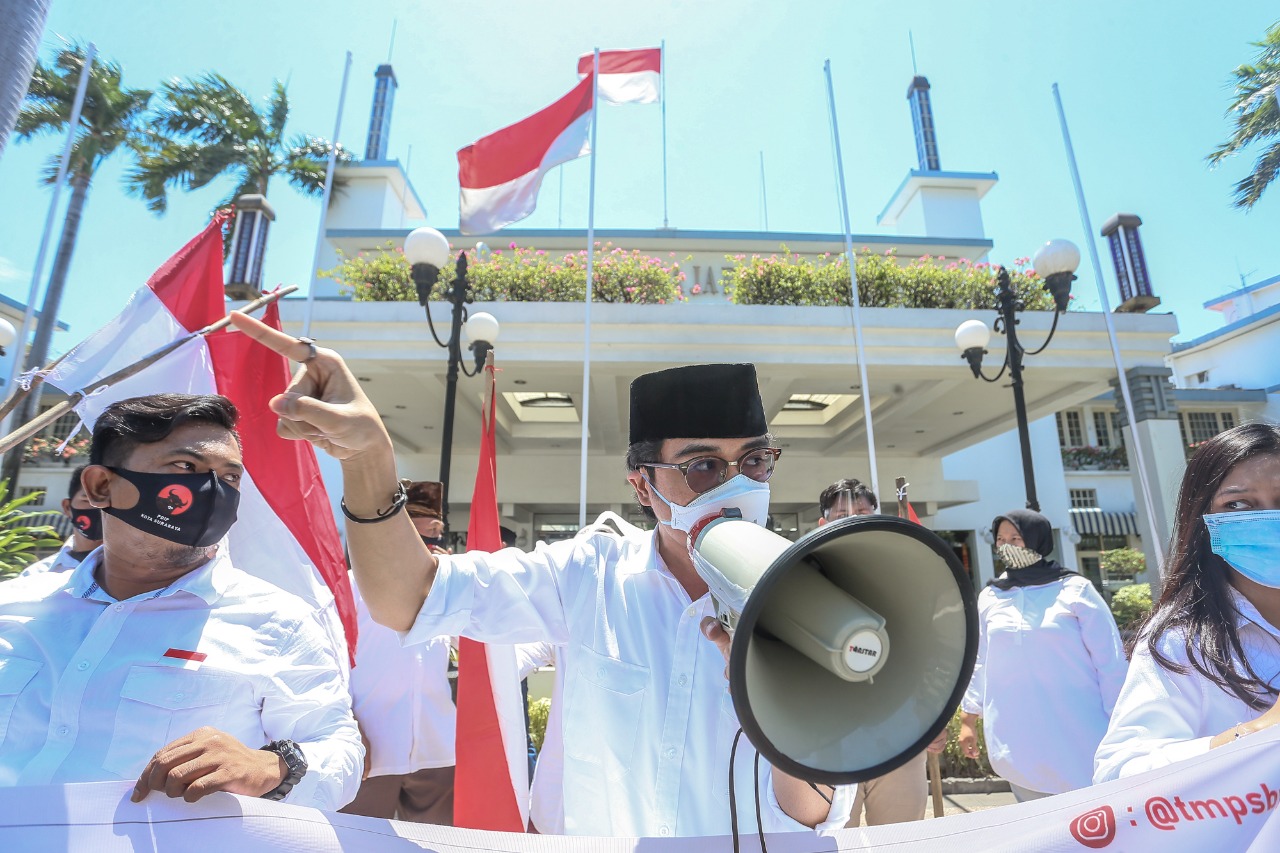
(1096, 522)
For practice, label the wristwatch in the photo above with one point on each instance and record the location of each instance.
(294, 760)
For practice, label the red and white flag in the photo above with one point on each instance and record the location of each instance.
(285, 531)
(491, 782)
(499, 175)
(627, 76)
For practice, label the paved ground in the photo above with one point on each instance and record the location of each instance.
(964, 803)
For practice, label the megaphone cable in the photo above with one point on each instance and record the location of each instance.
(733, 798)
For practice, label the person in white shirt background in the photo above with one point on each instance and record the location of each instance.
(1206, 664)
(402, 700)
(648, 723)
(1050, 665)
(155, 659)
(86, 531)
(902, 794)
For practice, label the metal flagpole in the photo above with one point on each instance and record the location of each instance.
(662, 82)
(328, 190)
(28, 317)
(1157, 546)
(853, 282)
(764, 193)
(586, 320)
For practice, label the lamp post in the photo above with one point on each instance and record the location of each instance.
(427, 251)
(1056, 264)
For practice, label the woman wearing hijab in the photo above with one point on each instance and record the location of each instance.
(1050, 665)
(1206, 666)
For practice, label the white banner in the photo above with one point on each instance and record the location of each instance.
(1225, 800)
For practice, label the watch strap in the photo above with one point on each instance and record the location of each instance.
(294, 760)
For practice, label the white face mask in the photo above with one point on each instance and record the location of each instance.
(748, 496)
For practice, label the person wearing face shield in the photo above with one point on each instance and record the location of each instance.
(646, 723)
(1048, 649)
(156, 660)
(86, 531)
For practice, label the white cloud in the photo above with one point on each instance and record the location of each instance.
(9, 272)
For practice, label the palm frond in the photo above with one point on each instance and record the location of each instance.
(209, 109)
(278, 112)
(1250, 189)
(1255, 116)
(307, 160)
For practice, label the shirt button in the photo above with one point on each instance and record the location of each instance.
(682, 680)
(177, 697)
(671, 753)
(83, 665)
(63, 730)
(664, 830)
(600, 672)
(119, 607)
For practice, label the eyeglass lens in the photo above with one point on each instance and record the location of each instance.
(710, 471)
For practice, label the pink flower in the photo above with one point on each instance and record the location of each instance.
(512, 246)
(697, 288)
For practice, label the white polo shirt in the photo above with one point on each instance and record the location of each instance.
(646, 722)
(92, 687)
(401, 698)
(60, 561)
(1050, 665)
(1162, 716)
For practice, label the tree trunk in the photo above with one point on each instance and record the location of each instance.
(48, 319)
(19, 46)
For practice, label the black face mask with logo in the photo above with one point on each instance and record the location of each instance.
(87, 522)
(195, 510)
(437, 541)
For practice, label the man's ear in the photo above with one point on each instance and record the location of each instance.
(821, 521)
(96, 481)
(641, 487)
(66, 507)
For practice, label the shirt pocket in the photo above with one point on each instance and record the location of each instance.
(603, 710)
(15, 675)
(159, 704)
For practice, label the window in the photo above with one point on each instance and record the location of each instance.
(1084, 498)
(1202, 426)
(1070, 428)
(1106, 426)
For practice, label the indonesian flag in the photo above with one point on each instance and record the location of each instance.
(285, 531)
(491, 782)
(499, 175)
(627, 76)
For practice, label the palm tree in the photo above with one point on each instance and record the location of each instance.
(1256, 111)
(207, 128)
(19, 47)
(112, 118)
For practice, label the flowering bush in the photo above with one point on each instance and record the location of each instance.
(519, 274)
(41, 449)
(926, 282)
(1095, 458)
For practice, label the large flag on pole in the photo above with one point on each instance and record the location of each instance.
(285, 532)
(627, 76)
(491, 782)
(500, 174)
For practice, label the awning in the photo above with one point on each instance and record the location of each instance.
(1096, 522)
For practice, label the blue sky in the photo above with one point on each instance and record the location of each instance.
(1145, 86)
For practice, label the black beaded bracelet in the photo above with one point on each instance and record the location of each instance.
(397, 503)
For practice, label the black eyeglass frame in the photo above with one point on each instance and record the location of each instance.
(683, 467)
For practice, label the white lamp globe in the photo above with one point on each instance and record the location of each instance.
(482, 249)
(426, 246)
(481, 327)
(972, 334)
(1056, 256)
(8, 334)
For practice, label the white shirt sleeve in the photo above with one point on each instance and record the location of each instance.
(507, 597)
(1155, 721)
(971, 703)
(1102, 641)
(308, 703)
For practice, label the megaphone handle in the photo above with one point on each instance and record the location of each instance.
(725, 616)
(935, 784)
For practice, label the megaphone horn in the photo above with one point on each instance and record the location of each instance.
(852, 646)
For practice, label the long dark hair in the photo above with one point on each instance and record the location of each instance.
(1197, 598)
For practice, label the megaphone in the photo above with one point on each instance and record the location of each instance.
(852, 646)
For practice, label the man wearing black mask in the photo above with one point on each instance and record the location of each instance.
(155, 659)
(86, 531)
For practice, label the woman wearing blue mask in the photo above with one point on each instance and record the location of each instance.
(1048, 650)
(1206, 666)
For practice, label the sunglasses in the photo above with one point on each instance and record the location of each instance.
(706, 472)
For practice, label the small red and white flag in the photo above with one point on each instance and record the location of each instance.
(627, 76)
(500, 174)
(285, 531)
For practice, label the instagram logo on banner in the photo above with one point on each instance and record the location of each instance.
(1095, 828)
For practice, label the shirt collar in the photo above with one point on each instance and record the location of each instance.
(1247, 614)
(207, 582)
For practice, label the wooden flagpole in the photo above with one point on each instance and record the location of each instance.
(931, 760)
(33, 426)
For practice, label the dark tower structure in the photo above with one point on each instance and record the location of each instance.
(384, 95)
(1121, 232)
(922, 121)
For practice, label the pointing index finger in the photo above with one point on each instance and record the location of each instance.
(273, 339)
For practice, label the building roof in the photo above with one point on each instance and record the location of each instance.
(1266, 315)
(393, 171)
(1218, 300)
(21, 309)
(916, 179)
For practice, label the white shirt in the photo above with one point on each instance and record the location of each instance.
(62, 561)
(1050, 665)
(646, 722)
(1162, 716)
(91, 687)
(401, 698)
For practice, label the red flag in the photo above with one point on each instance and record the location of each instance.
(911, 514)
(491, 780)
(626, 76)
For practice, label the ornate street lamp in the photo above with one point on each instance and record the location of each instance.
(1056, 264)
(427, 251)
